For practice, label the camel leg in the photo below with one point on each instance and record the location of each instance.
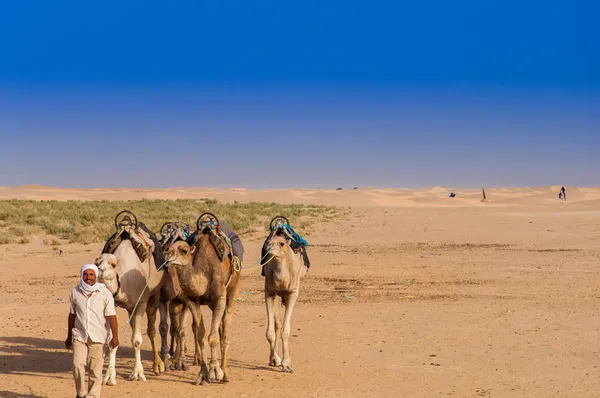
(272, 326)
(163, 309)
(218, 310)
(226, 325)
(136, 342)
(111, 373)
(197, 338)
(173, 328)
(204, 374)
(202, 345)
(158, 365)
(179, 321)
(290, 302)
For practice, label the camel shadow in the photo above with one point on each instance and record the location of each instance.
(246, 365)
(30, 355)
(10, 394)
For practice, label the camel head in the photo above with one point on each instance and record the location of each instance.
(107, 266)
(179, 254)
(279, 247)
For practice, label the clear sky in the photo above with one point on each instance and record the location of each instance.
(306, 94)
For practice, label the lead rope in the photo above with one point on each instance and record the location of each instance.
(237, 266)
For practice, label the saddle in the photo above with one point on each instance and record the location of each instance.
(172, 232)
(219, 241)
(142, 239)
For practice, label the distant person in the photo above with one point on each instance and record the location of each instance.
(564, 193)
(91, 314)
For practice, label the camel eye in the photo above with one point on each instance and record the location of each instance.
(113, 265)
(183, 251)
(281, 244)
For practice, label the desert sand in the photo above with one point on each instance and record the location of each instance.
(412, 293)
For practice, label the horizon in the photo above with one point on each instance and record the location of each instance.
(284, 188)
(254, 96)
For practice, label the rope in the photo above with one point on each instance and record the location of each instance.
(259, 262)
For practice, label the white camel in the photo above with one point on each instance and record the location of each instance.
(126, 277)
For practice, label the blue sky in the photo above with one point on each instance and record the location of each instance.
(314, 94)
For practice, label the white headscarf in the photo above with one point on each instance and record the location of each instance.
(84, 286)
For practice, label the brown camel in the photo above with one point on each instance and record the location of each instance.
(172, 303)
(206, 280)
(172, 306)
(283, 270)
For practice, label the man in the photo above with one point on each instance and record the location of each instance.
(236, 242)
(92, 311)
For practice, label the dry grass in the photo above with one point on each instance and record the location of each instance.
(93, 221)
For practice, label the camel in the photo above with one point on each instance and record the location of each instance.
(126, 276)
(206, 280)
(172, 306)
(282, 270)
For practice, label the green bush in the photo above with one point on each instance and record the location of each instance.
(93, 221)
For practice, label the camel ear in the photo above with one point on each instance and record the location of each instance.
(97, 260)
(193, 249)
(288, 241)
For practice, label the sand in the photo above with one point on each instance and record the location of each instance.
(412, 294)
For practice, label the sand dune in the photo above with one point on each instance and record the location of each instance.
(368, 197)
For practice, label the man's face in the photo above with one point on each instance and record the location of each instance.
(89, 277)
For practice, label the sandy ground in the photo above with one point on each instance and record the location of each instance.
(411, 294)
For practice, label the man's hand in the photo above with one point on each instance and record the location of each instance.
(114, 342)
(70, 326)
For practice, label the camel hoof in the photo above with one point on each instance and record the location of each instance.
(286, 367)
(137, 376)
(111, 377)
(110, 381)
(179, 366)
(225, 378)
(219, 374)
(275, 361)
(159, 368)
(165, 358)
(200, 381)
(196, 362)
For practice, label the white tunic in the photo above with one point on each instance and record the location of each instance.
(90, 314)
